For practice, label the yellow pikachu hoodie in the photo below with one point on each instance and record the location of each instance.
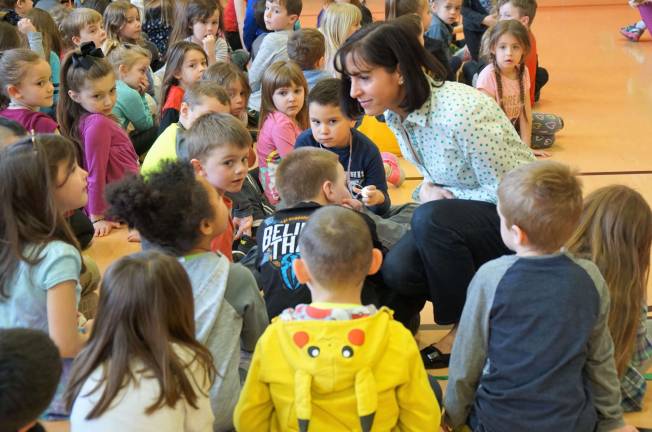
(332, 374)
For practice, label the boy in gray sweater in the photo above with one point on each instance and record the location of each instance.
(533, 350)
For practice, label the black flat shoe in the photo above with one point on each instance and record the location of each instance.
(434, 359)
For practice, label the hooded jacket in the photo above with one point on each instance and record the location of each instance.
(361, 374)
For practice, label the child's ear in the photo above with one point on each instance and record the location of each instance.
(327, 190)
(206, 228)
(525, 20)
(321, 63)
(293, 18)
(183, 110)
(376, 261)
(76, 40)
(123, 69)
(520, 236)
(13, 92)
(74, 96)
(199, 169)
(301, 271)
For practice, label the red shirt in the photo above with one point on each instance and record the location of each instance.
(230, 18)
(531, 64)
(224, 242)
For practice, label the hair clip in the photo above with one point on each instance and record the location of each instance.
(85, 58)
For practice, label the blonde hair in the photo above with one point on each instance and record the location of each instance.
(336, 27)
(115, 17)
(77, 20)
(615, 232)
(544, 199)
(283, 73)
(125, 54)
(13, 66)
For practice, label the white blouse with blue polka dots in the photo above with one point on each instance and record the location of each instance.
(461, 140)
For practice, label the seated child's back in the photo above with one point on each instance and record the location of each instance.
(180, 212)
(336, 364)
(308, 178)
(533, 350)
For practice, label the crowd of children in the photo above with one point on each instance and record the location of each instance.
(268, 294)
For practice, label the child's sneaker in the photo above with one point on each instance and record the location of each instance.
(632, 32)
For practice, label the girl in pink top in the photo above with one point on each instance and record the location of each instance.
(506, 79)
(27, 86)
(88, 94)
(283, 115)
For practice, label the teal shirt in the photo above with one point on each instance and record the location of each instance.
(131, 107)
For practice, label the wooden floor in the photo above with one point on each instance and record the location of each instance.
(601, 85)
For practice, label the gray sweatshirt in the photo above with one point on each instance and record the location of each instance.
(230, 315)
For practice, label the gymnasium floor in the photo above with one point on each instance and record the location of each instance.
(601, 85)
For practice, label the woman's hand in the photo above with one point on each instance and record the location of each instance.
(431, 192)
(541, 153)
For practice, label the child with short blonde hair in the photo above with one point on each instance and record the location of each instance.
(550, 350)
(131, 64)
(82, 25)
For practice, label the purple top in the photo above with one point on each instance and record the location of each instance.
(31, 120)
(108, 156)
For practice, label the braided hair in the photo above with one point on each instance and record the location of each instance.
(520, 33)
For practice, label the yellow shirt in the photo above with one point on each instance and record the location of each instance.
(165, 147)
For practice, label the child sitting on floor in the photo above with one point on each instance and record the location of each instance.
(331, 129)
(181, 213)
(335, 363)
(533, 349)
(308, 178)
(30, 368)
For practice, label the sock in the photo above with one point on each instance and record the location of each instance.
(640, 25)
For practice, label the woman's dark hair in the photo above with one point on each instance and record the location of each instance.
(146, 308)
(388, 46)
(166, 207)
(28, 210)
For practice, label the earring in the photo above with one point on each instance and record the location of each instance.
(400, 81)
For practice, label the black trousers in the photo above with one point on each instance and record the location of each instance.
(473, 39)
(437, 258)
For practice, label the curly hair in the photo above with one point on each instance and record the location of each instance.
(166, 207)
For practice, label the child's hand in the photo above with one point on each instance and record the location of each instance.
(209, 45)
(143, 85)
(432, 192)
(103, 227)
(353, 204)
(133, 236)
(541, 153)
(371, 196)
(243, 225)
(489, 21)
(25, 26)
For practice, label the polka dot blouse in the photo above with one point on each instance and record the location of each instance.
(461, 140)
